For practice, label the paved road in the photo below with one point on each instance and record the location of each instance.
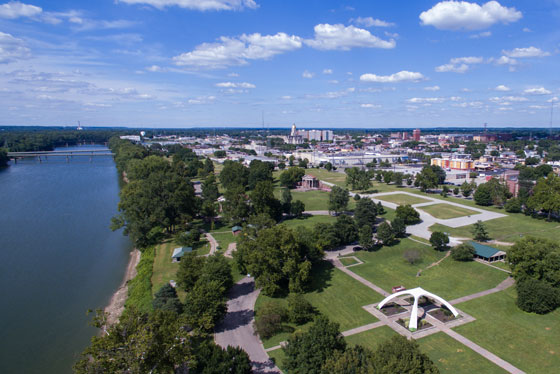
(237, 328)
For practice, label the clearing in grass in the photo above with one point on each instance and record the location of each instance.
(447, 211)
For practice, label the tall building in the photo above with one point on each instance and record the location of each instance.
(416, 135)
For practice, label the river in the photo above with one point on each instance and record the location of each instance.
(58, 258)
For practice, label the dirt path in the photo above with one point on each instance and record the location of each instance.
(230, 249)
(116, 305)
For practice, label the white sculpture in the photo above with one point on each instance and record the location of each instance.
(417, 293)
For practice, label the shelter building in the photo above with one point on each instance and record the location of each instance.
(487, 253)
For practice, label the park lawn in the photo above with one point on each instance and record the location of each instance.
(313, 200)
(447, 211)
(328, 176)
(526, 340)
(223, 239)
(347, 261)
(278, 357)
(402, 199)
(334, 294)
(452, 357)
(308, 221)
(372, 338)
(508, 229)
(450, 279)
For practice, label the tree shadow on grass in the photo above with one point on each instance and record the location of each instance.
(321, 276)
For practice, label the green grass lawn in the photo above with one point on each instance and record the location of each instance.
(347, 261)
(403, 199)
(278, 356)
(308, 221)
(335, 295)
(328, 176)
(528, 341)
(450, 279)
(313, 200)
(224, 239)
(447, 211)
(372, 338)
(452, 357)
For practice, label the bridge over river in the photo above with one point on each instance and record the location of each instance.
(44, 155)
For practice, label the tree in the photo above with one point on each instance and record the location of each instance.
(358, 179)
(479, 232)
(286, 200)
(300, 310)
(189, 270)
(208, 166)
(346, 229)
(354, 360)
(303, 163)
(291, 177)
(278, 258)
(428, 178)
(139, 343)
(270, 318)
(412, 256)
(456, 191)
(463, 252)
(234, 174)
(535, 258)
(3, 158)
(399, 227)
(380, 208)
(216, 269)
(439, 241)
(220, 154)
(408, 214)
(398, 179)
(297, 208)
(236, 207)
(210, 188)
(205, 305)
(328, 166)
(403, 356)
(546, 195)
(365, 237)
(259, 171)
(467, 188)
(537, 296)
(263, 200)
(385, 233)
(281, 165)
(445, 191)
(365, 213)
(338, 199)
(208, 210)
(166, 299)
(513, 205)
(213, 359)
(491, 193)
(307, 352)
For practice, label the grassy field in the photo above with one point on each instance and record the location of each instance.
(528, 341)
(332, 177)
(223, 239)
(337, 296)
(347, 261)
(313, 200)
(452, 357)
(450, 279)
(403, 199)
(446, 211)
(278, 356)
(371, 338)
(308, 221)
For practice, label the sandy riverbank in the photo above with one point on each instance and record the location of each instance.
(116, 305)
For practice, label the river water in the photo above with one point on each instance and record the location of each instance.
(58, 258)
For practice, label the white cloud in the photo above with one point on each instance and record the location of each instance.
(307, 74)
(401, 76)
(526, 29)
(327, 71)
(502, 88)
(238, 51)
(12, 49)
(15, 9)
(452, 68)
(504, 99)
(462, 15)
(538, 107)
(484, 34)
(421, 100)
(155, 69)
(537, 91)
(526, 52)
(467, 60)
(340, 37)
(201, 100)
(235, 85)
(286, 97)
(202, 5)
(370, 106)
(555, 99)
(504, 60)
(371, 22)
(432, 88)
(333, 81)
(234, 75)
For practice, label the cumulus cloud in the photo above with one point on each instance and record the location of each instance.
(202, 5)
(401, 76)
(432, 88)
(537, 91)
(502, 88)
(235, 85)
(307, 74)
(201, 100)
(12, 49)
(238, 51)
(459, 64)
(327, 71)
(526, 52)
(15, 9)
(505, 99)
(370, 106)
(462, 15)
(370, 22)
(422, 100)
(340, 37)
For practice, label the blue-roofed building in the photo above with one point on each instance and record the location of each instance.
(236, 230)
(179, 252)
(487, 253)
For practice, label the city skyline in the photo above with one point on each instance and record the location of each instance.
(328, 64)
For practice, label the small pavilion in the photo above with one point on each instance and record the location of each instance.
(487, 253)
(179, 252)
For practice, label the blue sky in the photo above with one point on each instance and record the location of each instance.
(318, 63)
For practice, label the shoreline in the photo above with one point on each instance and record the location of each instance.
(116, 306)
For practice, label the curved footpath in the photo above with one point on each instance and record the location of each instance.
(237, 327)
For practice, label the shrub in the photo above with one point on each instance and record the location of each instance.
(140, 287)
(300, 310)
(513, 205)
(269, 320)
(439, 240)
(408, 214)
(463, 252)
(536, 296)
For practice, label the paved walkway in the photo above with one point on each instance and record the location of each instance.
(236, 330)
(213, 244)
(507, 283)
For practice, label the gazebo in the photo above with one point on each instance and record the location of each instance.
(417, 293)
